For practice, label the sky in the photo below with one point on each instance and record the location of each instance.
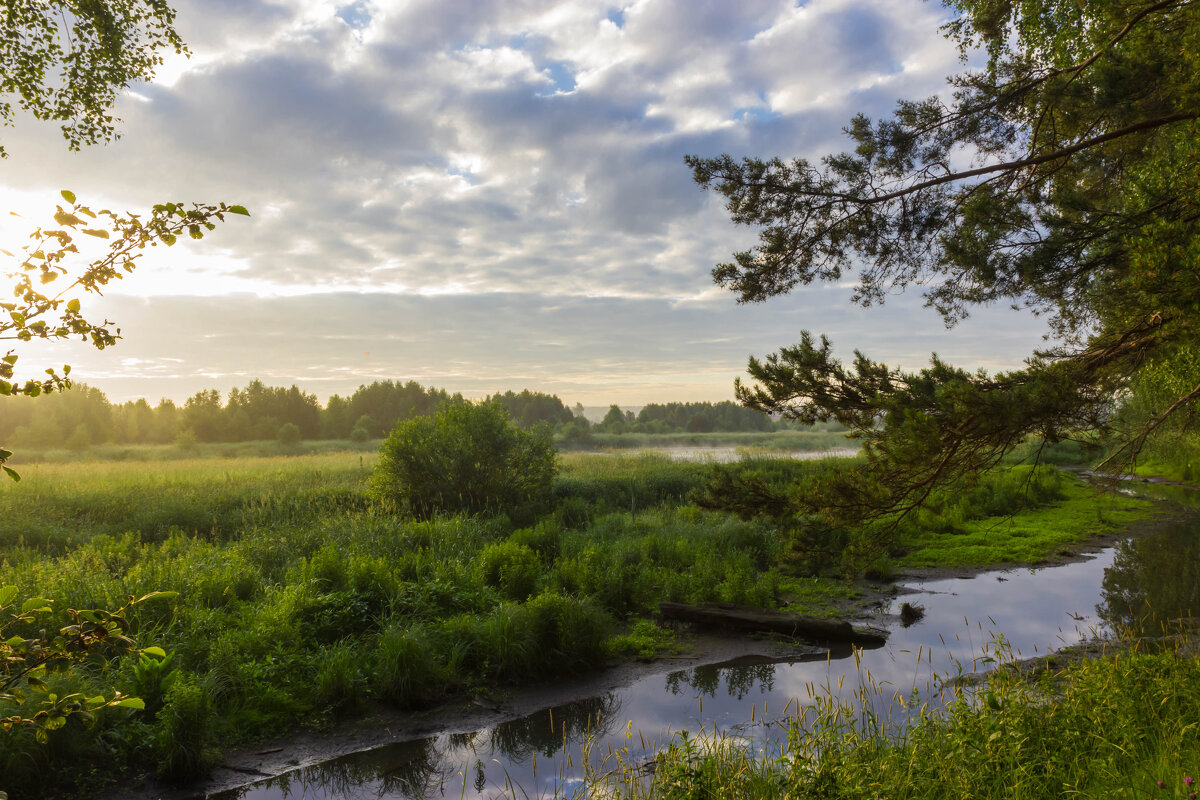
(483, 195)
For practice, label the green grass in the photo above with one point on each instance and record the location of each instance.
(1027, 536)
(300, 602)
(817, 597)
(645, 641)
(1113, 727)
(25, 457)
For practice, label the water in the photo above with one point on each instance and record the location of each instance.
(1139, 581)
(728, 455)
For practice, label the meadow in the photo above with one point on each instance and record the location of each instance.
(300, 602)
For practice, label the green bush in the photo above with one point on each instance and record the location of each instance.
(288, 435)
(511, 567)
(573, 513)
(541, 538)
(467, 458)
(182, 731)
(567, 633)
(341, 683)
(406, 670)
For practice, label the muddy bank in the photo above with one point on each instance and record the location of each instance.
(275, 757)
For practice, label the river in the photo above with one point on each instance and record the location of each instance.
(1032, 611)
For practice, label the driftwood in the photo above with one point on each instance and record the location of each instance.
(747, 618)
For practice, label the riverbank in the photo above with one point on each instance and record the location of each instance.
(301, 609)
(1013, 596)
(277, 756)
(1119, 726)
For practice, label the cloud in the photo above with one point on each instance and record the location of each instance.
(594, 350)
(475, 158)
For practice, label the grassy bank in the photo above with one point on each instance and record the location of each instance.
(1119, 727)
(300, 602)
(988, 527)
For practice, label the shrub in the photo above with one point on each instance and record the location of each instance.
(406, 671)
(289, 434)
(573, 513)
(341, 682)
(186, 440)
(467, 458)
(511, 567)
(182, 731)
(541, 538)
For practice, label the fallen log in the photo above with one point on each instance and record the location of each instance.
(762, 620)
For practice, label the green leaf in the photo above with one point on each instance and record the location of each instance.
(12, 473)
(73, 306)
(130, 702)
(153, 650)
(239, 210)
(35, 604)
(7, 594)
(99, 233)
(155, 595)
(68, 195)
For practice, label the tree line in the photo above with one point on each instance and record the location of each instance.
(83, 416)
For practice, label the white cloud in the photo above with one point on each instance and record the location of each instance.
(488, 154)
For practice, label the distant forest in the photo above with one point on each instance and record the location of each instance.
(83, 416)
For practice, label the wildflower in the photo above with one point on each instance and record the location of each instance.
(1160, 784)
(1188, 781)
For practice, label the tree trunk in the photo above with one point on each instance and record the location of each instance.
(747, 618)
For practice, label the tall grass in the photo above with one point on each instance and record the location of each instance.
(1125, 726)
(299, 602)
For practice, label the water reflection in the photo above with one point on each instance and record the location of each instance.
(547, 731)
(488, 761)
(1153, 580)
(411, 770)
(736, 680)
